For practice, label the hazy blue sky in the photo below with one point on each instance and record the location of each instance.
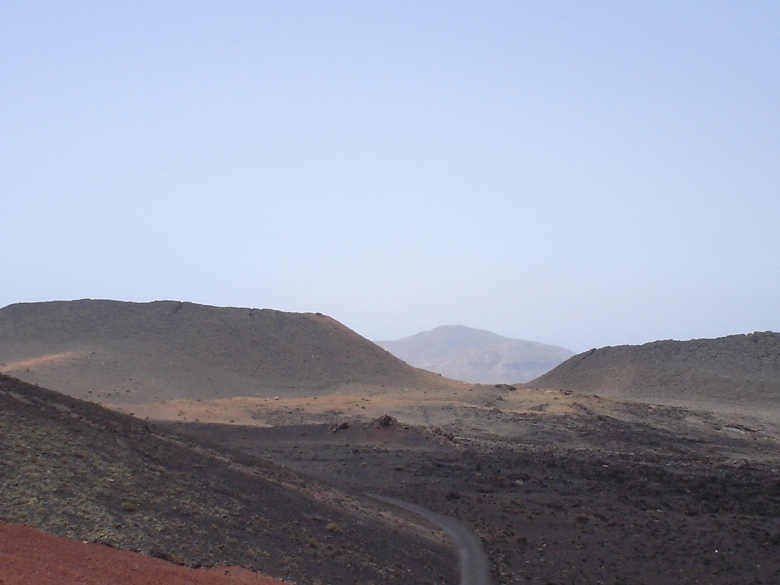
(578, 173)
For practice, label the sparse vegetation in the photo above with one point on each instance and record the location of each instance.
(138, 487)
(560, 486)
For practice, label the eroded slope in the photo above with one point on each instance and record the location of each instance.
(78, 470)
(120, 352)
(739, 371)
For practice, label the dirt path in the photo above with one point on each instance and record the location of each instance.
(472, 562)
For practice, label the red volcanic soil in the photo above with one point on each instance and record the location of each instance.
(30, 556)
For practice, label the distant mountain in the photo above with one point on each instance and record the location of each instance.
(476, 356)
(117, 352)
(737, 370)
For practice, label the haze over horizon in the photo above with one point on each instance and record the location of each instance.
(580, 174)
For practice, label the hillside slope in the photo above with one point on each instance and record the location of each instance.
(738, 370)
(75, 469)
(143, 352)
(476, 356)
(31, 556)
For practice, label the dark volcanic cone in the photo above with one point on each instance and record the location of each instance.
(741, 370)
(121, 352)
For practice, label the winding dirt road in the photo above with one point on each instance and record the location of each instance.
(472, 562)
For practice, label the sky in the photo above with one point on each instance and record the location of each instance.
(576, 173)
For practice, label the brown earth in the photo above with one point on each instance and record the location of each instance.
(468, 406)
(738, 372)
(562, 486)
(30, 556)
(118, 352)
(75, 469)
(618, 494)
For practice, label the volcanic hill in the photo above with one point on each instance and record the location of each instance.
(476, 356)
(120, 352)
(733, 371)
(78, 470)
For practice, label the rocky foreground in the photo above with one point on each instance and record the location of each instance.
(642, 495)
(77, 470)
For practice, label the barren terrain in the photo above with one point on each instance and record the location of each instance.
(651, 496)
(476, 356)
(78, 470)
(257, 433)
(738, 373)
(29, 556)
(110, 351)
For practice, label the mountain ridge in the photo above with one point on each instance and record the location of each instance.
(735, 369)
(476, 355)
(140, 352)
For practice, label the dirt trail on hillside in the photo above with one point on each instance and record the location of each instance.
(472, 562)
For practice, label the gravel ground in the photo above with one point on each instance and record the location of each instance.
(77, 470)
(587, 499)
